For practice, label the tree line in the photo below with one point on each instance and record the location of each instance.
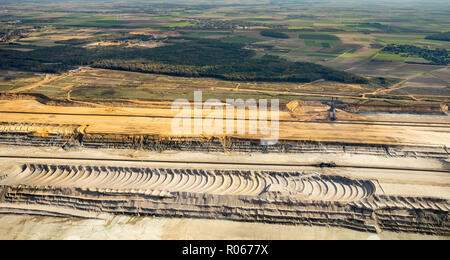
(444, 36)
(435, 56)
(274, 34)
(196, 58)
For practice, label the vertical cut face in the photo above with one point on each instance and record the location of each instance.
(308, 186)
(38, 128)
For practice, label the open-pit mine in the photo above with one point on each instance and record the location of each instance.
(373, 170)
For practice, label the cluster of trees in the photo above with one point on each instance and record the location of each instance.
(7, 35)
(48, 60)
(199, 52)
(267, 68)
(113, 37)
(445, 36)
(196, 58)
(437, 56)
(217, 24)
(274, 34)
(388, 28)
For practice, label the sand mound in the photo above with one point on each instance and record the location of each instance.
(444, 108)
(200, 181)
(316, 111)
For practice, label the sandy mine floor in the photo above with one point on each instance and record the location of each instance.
(151, 228)
(385, 176)
(102, 120)
(391, 181)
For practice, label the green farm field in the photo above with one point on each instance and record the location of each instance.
(345, 37)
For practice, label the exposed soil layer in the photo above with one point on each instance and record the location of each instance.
(38, 97)
(22, 136)
(305, 107)
(421, 108)
(310, 186)
(436, 108)
(388, 197)
(374, 214)
(305, 198)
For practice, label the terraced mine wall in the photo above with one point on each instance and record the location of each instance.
(37, 97)
(305, 198)
(425, 109)
(229, 144)
(352, 108)
(70, 136)
(39, 134)
(66, 103)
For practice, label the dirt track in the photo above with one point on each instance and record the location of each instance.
(141, 121)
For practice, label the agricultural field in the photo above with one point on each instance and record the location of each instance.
(325, 34)
(250, 119)
(10, 80)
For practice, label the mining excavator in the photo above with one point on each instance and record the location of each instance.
(333, 106)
